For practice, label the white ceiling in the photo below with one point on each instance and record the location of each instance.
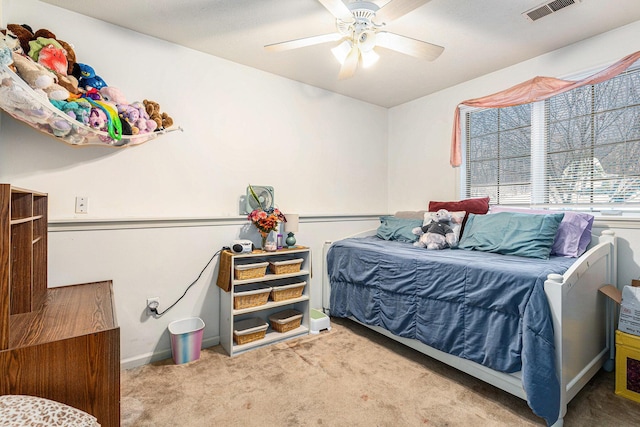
(479, 37)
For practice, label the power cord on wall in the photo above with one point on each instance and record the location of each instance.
(153, 308)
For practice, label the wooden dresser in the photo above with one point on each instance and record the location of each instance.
(58, 343)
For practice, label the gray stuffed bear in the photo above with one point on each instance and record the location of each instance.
(437, 234)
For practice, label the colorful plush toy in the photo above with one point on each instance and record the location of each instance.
(68, 49)
(437, 234)
(114, 97)
(38, 77)
(78, 110)
(137, 118)
(53, 58)
(98, 119)
(104, 117)
(87, 77)
(56, 55)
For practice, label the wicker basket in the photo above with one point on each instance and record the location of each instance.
(250, 271)
(285, 267)
(251, 296)
(286, 320)
(249, 330)
(281, 293)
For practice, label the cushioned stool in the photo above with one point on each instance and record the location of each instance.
(31, 411)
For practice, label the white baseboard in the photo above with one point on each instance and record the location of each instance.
(145, 359)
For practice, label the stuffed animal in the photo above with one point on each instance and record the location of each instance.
(38, 77)
(87, 77)
(53, 58)
(137, 117)
(50, 54)
(6, 56)
(24, 33)
(113, 95)
(7, 38)
(78, 110)
(163, 120)
(437, 234)
(59, 127)
(98, 119)
(56, 55)
(15, 99)
(68, 49)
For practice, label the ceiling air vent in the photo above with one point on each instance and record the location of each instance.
(547, 9)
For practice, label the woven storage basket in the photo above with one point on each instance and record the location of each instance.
(249, 330)
(285, 267)
(250, 271)
(286, 320)
(251, 296)
(285, 292)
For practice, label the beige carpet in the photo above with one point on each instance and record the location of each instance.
(349, 376)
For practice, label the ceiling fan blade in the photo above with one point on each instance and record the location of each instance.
(338, 9)
(307, 41)
(350, 64)
(397, 8)
(408, 46)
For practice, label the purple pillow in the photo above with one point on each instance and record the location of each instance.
(574, 232)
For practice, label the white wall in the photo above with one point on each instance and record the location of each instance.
(318, 149)
(422, 130)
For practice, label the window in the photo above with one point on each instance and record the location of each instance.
(580, 148)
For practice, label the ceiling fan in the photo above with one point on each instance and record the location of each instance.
(359, 25)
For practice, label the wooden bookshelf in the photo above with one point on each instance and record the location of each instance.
(58, 343)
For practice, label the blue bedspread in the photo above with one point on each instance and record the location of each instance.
(488, 308)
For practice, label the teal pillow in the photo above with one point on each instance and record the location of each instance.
(511, 233)
(392, 228)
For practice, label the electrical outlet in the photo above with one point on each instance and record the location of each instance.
(152, 305)
(82, 204)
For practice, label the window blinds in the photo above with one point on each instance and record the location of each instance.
(579, 149)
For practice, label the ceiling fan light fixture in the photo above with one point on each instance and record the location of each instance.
(359, 25)
(368, 58)
(367, 41)
(341, 51)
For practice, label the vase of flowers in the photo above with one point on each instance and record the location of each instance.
(265, 220)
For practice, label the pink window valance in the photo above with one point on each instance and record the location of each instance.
(536, 89)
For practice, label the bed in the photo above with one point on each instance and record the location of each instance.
(536, 328)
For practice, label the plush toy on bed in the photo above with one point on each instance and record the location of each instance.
(437, 234)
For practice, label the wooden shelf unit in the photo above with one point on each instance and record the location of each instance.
(59, 343)
(230, 315)
(23, 245)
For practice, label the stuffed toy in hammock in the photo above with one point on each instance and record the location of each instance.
(437, 234)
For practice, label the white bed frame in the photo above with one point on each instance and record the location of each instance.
(583, 322)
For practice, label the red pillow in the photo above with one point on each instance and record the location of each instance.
(478, 206)
(475, 206)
